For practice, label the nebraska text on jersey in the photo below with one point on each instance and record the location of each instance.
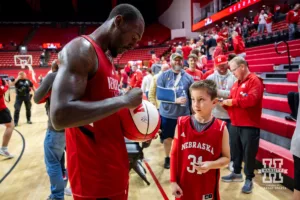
(198, 145)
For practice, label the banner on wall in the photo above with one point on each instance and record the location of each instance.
(51, 45)
(224, 13)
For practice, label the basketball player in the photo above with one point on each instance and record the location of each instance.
(200, 147)
(85, 92)
(6, 119)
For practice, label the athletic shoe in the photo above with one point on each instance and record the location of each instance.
(233, 178)
(248, 186)
(290, 118)
(68, 192)
(29, 122)
(167, 163)
(5, 153)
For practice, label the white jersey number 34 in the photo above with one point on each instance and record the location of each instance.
(191, 168)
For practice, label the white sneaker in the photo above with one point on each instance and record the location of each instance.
(68, 192)
(230, 166)
(5, 154)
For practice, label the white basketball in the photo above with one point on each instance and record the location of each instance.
(141, 123)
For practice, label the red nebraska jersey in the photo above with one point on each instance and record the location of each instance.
(197, 74)
(97, 156)
(195, 147)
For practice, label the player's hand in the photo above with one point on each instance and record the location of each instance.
(133, 98)
(176, 190)
(203, 167)
(181, 100)
(227, 102)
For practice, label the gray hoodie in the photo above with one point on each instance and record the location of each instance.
(224, 85)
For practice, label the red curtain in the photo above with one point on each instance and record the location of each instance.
(35, 5)
(75, 5)
(113, 3)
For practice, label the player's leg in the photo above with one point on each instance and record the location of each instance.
(17, 106)
(6, 119)
(296, 195)
(250, 140)
(54, 146)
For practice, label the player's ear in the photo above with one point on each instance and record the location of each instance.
(215, 101)
(118, 21)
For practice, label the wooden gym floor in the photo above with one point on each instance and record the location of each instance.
(29, 180)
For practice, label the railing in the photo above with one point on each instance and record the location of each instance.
(283, 52)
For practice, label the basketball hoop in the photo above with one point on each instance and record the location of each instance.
(23, 60)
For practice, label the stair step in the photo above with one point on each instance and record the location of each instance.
(281, 88)
(276, 104)
(292, 76)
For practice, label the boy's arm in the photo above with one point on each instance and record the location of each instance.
(174, 162)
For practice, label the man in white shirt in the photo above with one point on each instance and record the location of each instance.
(147, 82)
(262, 22)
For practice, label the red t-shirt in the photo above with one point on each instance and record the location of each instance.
(256, 19)
(136, 79)
(197, 74)
(97, 155)
(186, 50)
(292, 17)
(194, 147)
(238, 45)
(269, 18)
(3, 89)
(125, 77)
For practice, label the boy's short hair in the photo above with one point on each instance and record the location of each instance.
(209, 85)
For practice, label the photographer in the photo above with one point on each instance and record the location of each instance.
(5, 118)
(23, 87)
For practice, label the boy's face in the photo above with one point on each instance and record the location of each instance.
(202, 103)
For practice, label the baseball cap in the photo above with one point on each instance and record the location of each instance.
(220, 60)
(220, 39)
(176, 55)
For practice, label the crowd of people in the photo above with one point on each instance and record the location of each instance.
(211, 119)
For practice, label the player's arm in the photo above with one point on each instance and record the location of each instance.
(222, 161)
(31, 85)
(4, 88)
(44, 87)
(176, 190)
(77, 63)
(152, 92)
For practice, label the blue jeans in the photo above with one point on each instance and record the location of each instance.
(261, 28)
(292, 31)
(54, 146)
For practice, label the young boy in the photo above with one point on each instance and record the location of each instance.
(200, 147)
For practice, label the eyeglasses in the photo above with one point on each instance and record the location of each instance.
(233, 70)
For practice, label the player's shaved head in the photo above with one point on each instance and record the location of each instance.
(127, 11)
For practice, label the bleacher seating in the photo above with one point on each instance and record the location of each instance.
(15, 34)
(49, 34)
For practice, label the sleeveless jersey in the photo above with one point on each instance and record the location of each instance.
(96, 153)
(195, 147)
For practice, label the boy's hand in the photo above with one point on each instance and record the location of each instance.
(176, 190)
(203, 167)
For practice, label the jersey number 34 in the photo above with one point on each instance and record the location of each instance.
(191, 168)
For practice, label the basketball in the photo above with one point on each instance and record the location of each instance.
(141, 123)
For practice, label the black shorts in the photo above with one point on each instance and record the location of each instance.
(168, 128)
(5, 116)
(296, 173)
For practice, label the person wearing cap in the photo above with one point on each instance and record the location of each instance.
(179, 81)
(156, 67)
(224, 80)
(219, 49)
(244, 106)
(192, 70)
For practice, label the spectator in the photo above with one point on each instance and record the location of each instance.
(244, 106)
(152, 61)
(6, 120)
(211, 43)
(186, 50)
(146, 82)
(293, 100)
(292, 18)
(269, 21)
(195, 73)
(124, 79)
(176, 79)
(23, 87)
(255, 22)
(156, 67)
(219, 49)
(136, 77)
(262, 22)
(152, 91)
(224, 80)
(238, 45)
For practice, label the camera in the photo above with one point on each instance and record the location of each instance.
(6, 78)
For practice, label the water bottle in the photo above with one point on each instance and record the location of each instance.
(183, 94)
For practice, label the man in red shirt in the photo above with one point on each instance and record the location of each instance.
(244, 107)
(87, 102)
(6, 119)
(292, 18)
(238, 45)
(219, 48)
(186, 50)
(152, 61)
(195, 73)
(269, 21)
(136, 77)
